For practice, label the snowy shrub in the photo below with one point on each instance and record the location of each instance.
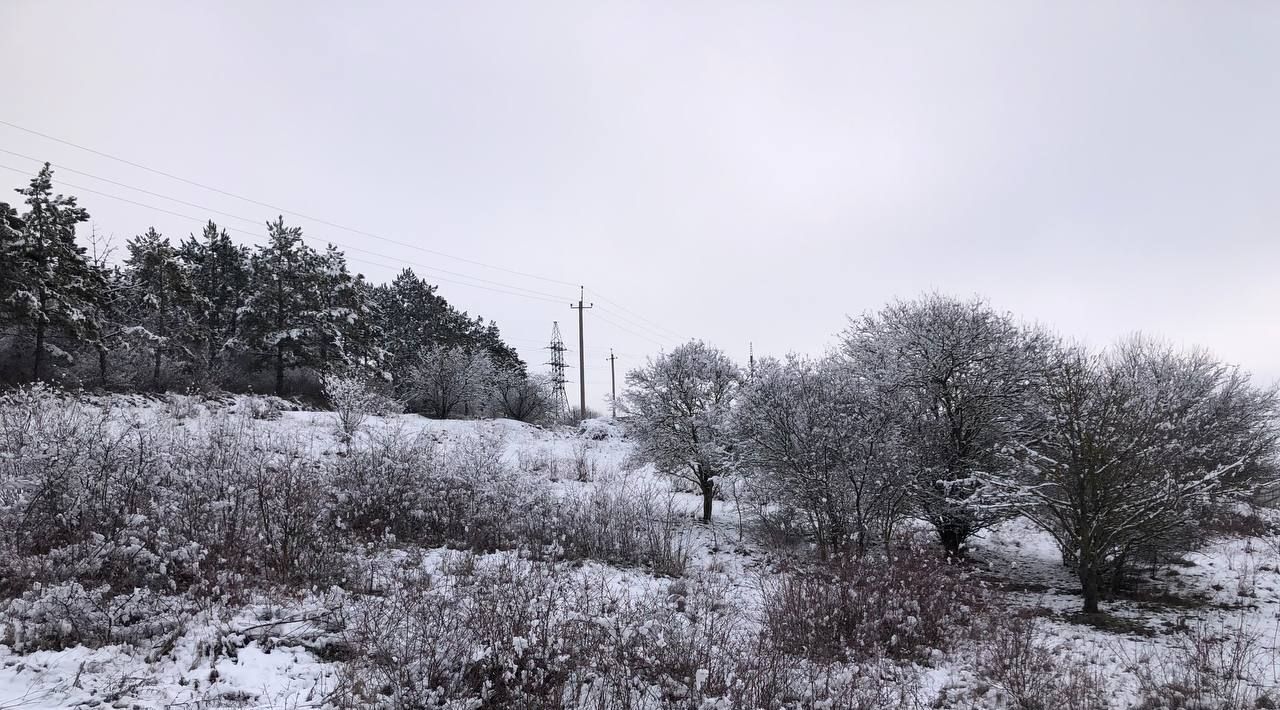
(263, 407)
(626, 522)
(903, 605)
(447, 381)
(584, 464)
(289, 492)
(1218, 664)
(354, 400)
(181, 406)
(598, 430)
(387, 485)
(68, 613)
(518, 634)
(505, 633)
(538, 460)
(120, 505)
(1031, 673)
(525, 398)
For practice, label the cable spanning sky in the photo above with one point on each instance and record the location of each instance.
(739, 172)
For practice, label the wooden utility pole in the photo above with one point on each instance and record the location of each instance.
(582, 358)
(613, 384)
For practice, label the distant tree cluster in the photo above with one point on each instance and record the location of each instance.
(207, 313)
(951, 413)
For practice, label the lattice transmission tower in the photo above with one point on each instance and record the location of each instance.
(558, 367)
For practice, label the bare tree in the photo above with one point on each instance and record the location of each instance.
(525, 398)
(450, 380)
(680, 407)
(962, 375)
(1136, 443)
(816, 438)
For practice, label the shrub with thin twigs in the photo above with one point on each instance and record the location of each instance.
(354, 399)
(903, 605)
(1221, 665)
(1032, 674)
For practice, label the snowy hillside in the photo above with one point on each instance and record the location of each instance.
(585, 582)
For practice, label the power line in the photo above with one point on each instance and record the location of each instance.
(642, 323)
(277, 208)
(531, 295)
(254, 221)
(621, 307)
(644, 331)
(624, 329)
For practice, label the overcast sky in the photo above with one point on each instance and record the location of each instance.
(740, 172)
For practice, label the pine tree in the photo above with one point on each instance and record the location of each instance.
(109, 309)
(411, 314)
(10, 244)
(344, 315)
(219, 273)
(52, 285)
(278, 320)
(162, 297)
(505, 358)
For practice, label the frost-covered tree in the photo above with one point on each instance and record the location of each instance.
(505, 358)
(354, 398)
(162, 298)
(449, 380)
(342, 321)
(963, 375)
(1135, 444)
(110, 305)
(680, 405)
(815, 437)
(414, 317)
(51, 286)
(525, 398)
(10, 236)
(277, 321)
(219, 272)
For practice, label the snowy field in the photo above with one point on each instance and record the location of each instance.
(284, 648)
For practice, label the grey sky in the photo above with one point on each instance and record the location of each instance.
(734, 171)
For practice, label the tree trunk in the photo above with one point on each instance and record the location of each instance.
(708, 487)
(102, 366)
(39, 353)
(1089, 586)
(155, 372)
(279, 369)
(953, 535)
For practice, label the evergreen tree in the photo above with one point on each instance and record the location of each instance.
(109, 309)
(505, 358)
(109, 312)
(411, 314)
(367, 333)
(10, 244)
(344, 317)
(219, 273)
(162, 300)
(278, 319)
(51, 284)
(415, 318)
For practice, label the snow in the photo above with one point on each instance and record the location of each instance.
(271, 652)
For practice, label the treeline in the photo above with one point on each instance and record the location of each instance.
(951, 413)
(209, 314)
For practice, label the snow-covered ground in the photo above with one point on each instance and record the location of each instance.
(273, 652)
